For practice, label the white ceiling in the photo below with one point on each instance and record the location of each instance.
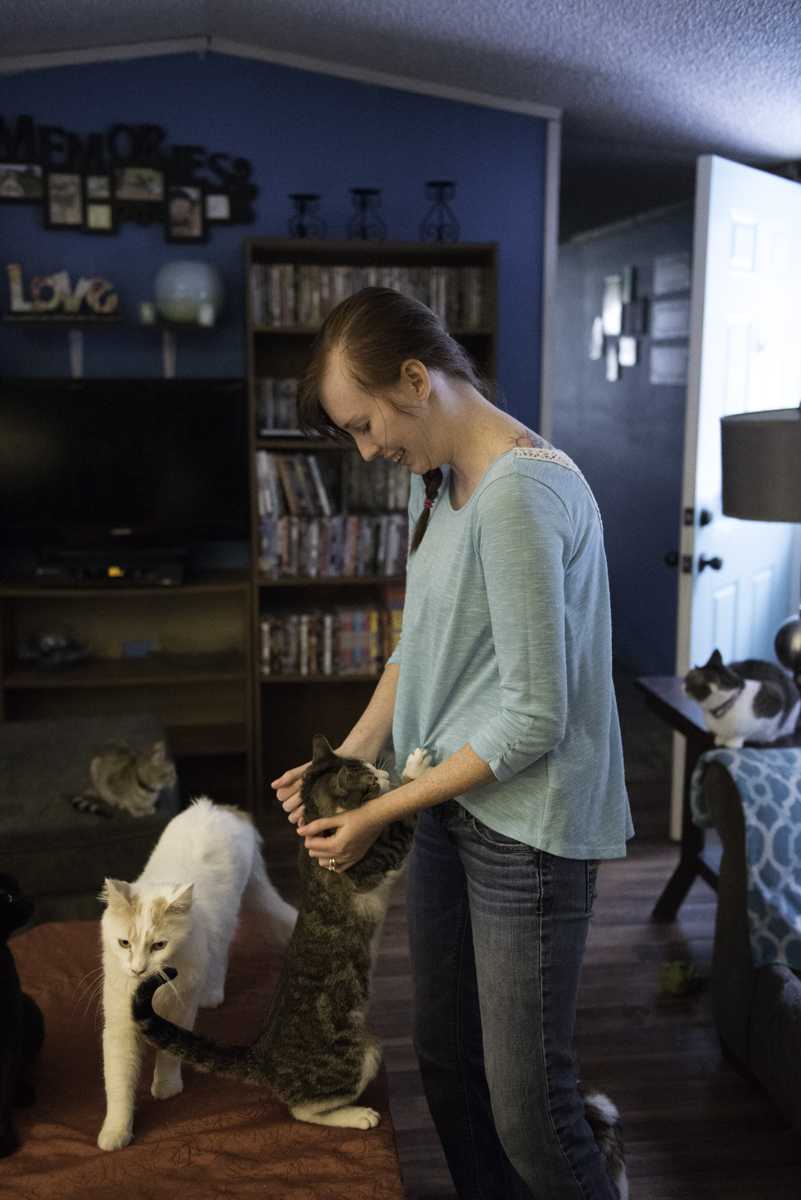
(643, 84)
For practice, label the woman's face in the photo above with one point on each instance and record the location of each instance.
(378, 427)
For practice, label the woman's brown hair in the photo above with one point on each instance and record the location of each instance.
(377, 330)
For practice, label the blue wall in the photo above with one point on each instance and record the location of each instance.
(303, 132)
(627, 437)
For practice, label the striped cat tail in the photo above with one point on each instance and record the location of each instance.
(200, 1052)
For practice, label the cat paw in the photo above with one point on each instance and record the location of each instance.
(417, 764)
(365, 1118)
(114, 1137)
(162, 1089)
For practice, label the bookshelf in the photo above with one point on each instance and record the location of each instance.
(331, 602)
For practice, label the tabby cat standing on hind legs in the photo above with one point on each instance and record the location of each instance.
(315, 1053)
(182, 909)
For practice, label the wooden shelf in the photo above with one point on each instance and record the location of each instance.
(61, 320)
(332, 581)
(157, 670)
(311, 330)
(315, 679)
(224, 581)
(290, 442)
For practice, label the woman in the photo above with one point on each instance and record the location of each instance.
(504, 674)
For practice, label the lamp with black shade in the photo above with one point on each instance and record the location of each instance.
(761, 463)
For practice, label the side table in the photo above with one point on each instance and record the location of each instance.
(665, 696)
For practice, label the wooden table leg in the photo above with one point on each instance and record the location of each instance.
(692, 844)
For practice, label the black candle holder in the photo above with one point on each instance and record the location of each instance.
(439, 223)
(365, 222)
(306, 221)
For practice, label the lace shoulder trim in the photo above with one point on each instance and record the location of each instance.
(561, 459)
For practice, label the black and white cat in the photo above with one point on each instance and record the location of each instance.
(753, 700)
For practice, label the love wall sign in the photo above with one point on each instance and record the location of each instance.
(51, 294)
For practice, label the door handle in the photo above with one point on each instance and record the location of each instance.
(715, 563)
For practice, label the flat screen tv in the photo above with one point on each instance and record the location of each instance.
(142, 462)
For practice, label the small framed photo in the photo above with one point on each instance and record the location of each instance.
(99, 213)
(21, 183)
(185, 219)
(218, 208)
(139, 184)
(97, 187)
(63, 200)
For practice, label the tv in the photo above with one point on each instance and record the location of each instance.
(101, 463)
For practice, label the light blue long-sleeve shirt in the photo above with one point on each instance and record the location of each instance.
(506, 646)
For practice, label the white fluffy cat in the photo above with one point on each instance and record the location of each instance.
(182, 910)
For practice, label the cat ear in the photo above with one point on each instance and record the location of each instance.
(339, 785)
(321, 749)
(715, 659)
(182, 900)
(116, 894)
(159, 752)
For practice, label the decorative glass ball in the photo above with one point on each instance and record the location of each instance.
(182, 287)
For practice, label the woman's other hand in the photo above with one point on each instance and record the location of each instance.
(350, 836)
(287, 790)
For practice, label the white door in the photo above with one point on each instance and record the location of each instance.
(745, 355)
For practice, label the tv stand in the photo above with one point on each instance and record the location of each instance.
(113, 566)
(180, 654)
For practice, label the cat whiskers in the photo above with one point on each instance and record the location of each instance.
(88, 992)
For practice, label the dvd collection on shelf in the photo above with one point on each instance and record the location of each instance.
(311, 528)
(291, 295)
(348, 640)
(276, 406)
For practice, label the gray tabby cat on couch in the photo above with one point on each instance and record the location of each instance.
(753, 700)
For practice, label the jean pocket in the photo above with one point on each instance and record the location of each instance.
(591, 883)
(491, 837)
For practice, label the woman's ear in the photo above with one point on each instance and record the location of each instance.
(415, 379)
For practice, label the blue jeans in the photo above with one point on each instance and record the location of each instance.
(497, 933)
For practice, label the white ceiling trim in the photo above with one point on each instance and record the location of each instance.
(63, 58)
(384, 79)
(17, 64)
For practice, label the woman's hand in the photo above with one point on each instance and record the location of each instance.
(287, 790)
(353, 833)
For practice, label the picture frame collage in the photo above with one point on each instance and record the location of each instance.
(96, 202)
(627, 318)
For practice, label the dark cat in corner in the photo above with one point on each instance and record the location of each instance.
(21, 1021)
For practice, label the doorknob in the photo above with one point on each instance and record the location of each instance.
(715, 563)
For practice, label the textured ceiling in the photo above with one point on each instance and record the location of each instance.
(644, 86)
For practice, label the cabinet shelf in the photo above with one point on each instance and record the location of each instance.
(332, 581)
(224, 581)
(361, 677)
(310, 331)
(157, 670)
